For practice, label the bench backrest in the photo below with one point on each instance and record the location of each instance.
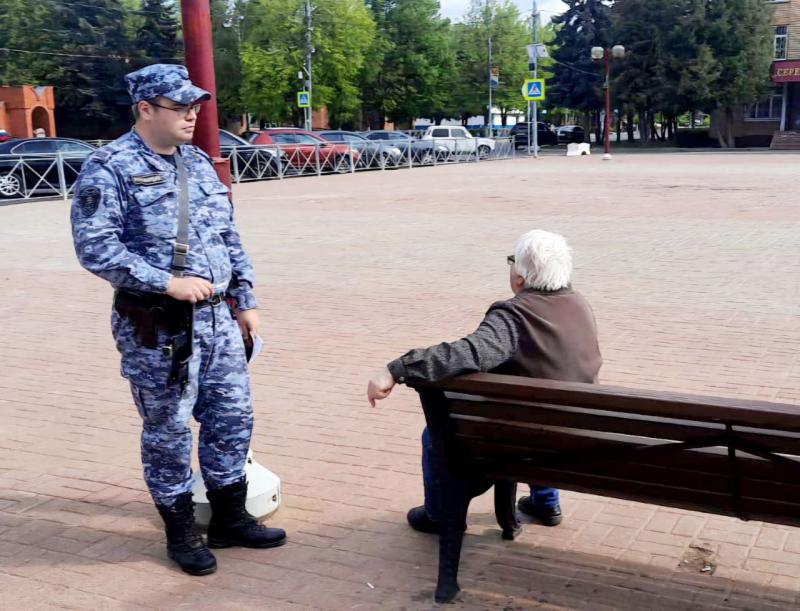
(706, 453)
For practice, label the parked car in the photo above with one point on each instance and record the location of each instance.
(570, 133)
(545, 135)
(29, 166)
(253, 161)
(459, 141)
(305, 148)
(373, 154)
(422, 152)
(250, 134)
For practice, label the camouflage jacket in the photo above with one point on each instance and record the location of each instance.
(125, 218)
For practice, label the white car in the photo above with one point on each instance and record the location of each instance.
(459, 141)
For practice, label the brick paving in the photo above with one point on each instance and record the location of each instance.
(691, 262)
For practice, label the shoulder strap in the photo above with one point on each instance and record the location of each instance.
(181, 249)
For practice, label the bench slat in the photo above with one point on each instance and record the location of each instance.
(756, 479)
(769, 510)
(594, 396)
(509, 441)
(527, 414)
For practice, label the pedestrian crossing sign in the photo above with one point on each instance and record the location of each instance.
(533, 90)
(303, 99)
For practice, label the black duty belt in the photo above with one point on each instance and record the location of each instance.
(156, 300)
(212, 301)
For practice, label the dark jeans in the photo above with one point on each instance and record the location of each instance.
(542, 497)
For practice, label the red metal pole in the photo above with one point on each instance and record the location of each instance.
(607, 142)
(199, 46)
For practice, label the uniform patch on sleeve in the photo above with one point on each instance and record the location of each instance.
(89, 199)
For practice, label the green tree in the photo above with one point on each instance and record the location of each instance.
(94, 52)
(739, 33)
(510, 35)
(228, 22)
(501, 21)
(415, 57)
(585, 24)
(25, 28)
(345, 33)
(157, 33)
(274, 52)
(643, 27)
(691, 55)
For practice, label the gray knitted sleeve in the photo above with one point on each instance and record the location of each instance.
(491, 345)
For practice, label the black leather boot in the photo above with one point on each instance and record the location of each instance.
(419, 519)
(231, 525)
(549, 516)
(184, 542)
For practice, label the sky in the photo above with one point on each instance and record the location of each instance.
(455, 9)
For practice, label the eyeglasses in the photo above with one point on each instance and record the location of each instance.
(195, 108)
(511, 259)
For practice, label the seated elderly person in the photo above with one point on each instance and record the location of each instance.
(546, 330)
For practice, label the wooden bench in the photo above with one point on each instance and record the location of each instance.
(723, 456)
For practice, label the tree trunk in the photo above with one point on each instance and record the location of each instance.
(652, 127)
(598, 130)
(644, 127)
(630, 117)
(503, 117)
(729, 123)
(722, 128)
(587, 125)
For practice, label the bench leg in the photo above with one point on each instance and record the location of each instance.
(455, 502)
(505, 497)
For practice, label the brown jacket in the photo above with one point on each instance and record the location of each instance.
(545, 334)
(557, 336)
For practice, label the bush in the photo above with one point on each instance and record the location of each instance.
(694, 138)
(753, 141)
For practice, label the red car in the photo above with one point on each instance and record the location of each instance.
(301, 147)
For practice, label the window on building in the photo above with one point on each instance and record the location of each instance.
(767, 108)
(781, 41)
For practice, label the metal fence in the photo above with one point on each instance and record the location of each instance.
(32, 176)
(45, 176)
(279, 161)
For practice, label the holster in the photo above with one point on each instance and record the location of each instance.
(150, 313)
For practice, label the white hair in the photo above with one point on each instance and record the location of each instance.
(544, 259)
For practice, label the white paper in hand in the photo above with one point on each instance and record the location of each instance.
(258, 343)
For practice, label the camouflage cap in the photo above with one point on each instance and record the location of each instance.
(168, 80)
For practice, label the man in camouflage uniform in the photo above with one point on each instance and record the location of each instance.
(125, 226)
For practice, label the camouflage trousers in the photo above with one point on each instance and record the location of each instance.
(217, 396)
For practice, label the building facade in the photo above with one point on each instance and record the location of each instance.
(26, 108)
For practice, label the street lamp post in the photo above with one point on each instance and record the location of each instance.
(598, 53)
